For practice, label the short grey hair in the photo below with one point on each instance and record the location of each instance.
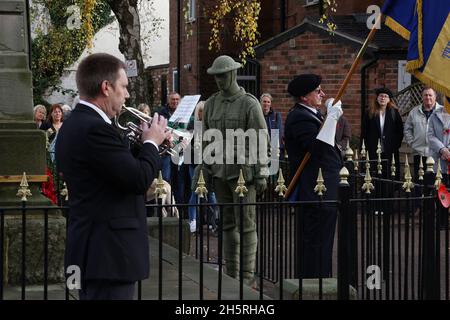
(39, 106)
(268, 95)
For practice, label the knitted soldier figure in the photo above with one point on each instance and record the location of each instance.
(233, 108)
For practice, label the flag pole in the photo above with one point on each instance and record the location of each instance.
(336, 99)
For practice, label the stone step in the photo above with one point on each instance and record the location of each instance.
(311, 289)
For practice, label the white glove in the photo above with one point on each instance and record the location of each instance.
(335, 111)
(328, 131)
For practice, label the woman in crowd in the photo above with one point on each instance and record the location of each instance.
(382, 122)
(51, 127)
(54, 122)
(143, 107)
(40, 113)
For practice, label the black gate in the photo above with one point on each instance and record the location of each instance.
(248, 77)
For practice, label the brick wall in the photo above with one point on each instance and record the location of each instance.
(194, 49)
(195, 57)
(312, 53)
(316, 53)
(296, 11)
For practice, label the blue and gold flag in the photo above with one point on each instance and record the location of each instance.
(401, 16)
(426, 24)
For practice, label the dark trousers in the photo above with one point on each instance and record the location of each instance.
(107, 290)
(315, 236)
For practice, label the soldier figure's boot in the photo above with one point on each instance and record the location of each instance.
(231, 252)
(250, 242)
(231, 244)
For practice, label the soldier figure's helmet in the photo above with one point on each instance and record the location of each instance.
(223, 64)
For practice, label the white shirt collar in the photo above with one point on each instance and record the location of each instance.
(314, 110)
(97, 109)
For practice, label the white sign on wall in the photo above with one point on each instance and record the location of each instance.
(131, 68)
(404, 78)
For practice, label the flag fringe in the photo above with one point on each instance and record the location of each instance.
(430, 83)
(397, 27)
(420, 34)
(413, 65)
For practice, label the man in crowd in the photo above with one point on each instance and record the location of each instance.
(107, 230)
(416, 126)
(315, 222)
(167, 111)
(273, 122)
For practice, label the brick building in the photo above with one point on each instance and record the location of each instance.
(309, 48)
(291, 42)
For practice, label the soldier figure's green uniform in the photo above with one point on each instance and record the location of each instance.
(233, 108)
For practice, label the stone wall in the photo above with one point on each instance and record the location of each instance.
(34, 248)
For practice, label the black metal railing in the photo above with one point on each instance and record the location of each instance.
(390, 244)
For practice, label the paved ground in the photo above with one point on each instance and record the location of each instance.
(169, 281)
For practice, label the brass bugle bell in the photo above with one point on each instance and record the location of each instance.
(134, 132)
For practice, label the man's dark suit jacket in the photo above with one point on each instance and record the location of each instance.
(301, 129)
(107, 230)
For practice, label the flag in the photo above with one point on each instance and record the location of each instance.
(401, 18)
(426, 24)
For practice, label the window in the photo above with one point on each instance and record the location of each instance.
(191, 10)
(311, 2)
(175, 80)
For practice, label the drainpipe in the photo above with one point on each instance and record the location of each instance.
(283, 15)
(364, 69)
(179, 46)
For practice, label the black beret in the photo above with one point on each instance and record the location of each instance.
(384, 90)
(303, 84)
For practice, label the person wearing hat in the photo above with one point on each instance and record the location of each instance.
(315, 223)
(382, 123)
(233, 108)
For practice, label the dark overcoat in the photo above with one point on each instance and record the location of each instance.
(107, 230)
(301, 129)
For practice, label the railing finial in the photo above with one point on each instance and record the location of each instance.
(241, 189)
(160, 190)
(363, 151)
(430, 164)
(201, 189)
(421, 172)
(344, 174)
(407, 185)
(367, 186)
(348, 152)
(23, 190)
(438, 181)
(281, 187)
(320, 187)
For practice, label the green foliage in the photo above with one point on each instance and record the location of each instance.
(61, 47)
(245, 15)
